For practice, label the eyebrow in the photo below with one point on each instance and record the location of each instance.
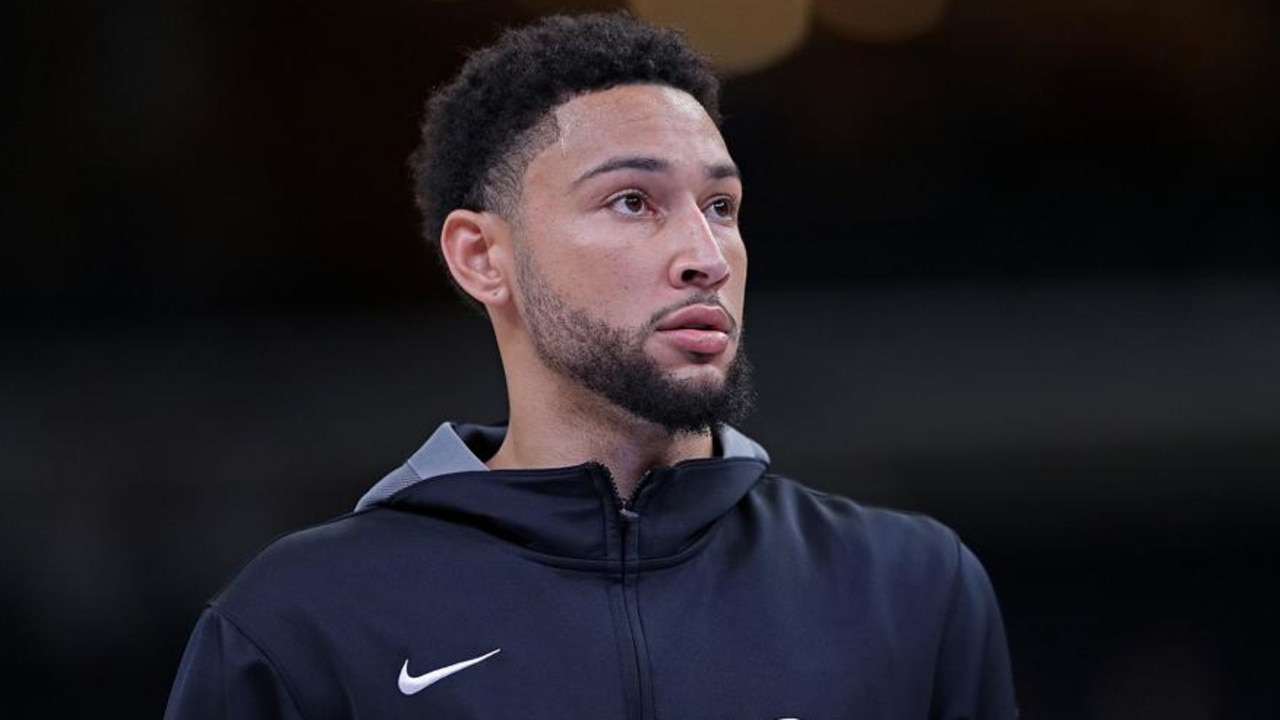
(654, 165)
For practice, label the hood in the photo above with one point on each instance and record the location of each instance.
(559, 511)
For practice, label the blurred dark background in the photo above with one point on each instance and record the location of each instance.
(1011, 265)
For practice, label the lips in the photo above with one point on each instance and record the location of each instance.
(698, 317)
(698, 329)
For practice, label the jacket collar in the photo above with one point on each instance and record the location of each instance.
(559, 511)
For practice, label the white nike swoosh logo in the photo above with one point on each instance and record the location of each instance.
(410, 684)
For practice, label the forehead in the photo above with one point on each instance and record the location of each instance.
(632, 120)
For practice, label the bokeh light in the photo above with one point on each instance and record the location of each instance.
(740, 36)
(549, 7)
(881, 20)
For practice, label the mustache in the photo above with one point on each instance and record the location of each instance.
(711, 299)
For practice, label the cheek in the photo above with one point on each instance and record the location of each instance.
(586, 275)
(734, 293)
(609, 280)
(736, 255)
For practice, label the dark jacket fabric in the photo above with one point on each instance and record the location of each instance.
(720, 591)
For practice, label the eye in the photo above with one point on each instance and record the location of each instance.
(630, 202)
(723, 208)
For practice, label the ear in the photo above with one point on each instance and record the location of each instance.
(474, 245)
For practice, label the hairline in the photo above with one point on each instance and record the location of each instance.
(502, 185)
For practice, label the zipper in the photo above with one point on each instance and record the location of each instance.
(626, 505)
(639, 691)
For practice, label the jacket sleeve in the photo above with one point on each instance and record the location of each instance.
(224, 675)
(974, 679)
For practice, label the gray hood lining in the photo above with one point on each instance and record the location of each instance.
(446, 453)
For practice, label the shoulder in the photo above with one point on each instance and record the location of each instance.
(895, 541)
(316, 566)
(311, 611)
(824, 511)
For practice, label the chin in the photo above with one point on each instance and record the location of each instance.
(710, 372)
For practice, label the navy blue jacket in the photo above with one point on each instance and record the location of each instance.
(719, 592)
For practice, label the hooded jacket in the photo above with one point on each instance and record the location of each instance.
(718, 591)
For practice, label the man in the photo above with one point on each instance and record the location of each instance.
(617, 550)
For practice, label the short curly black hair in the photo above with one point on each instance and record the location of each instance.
(478, 135)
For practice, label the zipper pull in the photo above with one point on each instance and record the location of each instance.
(627, 514)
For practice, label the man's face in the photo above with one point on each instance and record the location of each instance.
(630, 266)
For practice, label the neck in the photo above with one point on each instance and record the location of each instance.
(554, 423)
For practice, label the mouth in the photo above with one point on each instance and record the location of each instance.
(699, 317)
(703, 331)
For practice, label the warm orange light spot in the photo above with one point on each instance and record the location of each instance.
(881, 20)
(740, 36)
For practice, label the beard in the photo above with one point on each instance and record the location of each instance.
(611, 361)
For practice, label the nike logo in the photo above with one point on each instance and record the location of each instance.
(410, 684)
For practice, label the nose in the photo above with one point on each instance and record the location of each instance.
(700, 261)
